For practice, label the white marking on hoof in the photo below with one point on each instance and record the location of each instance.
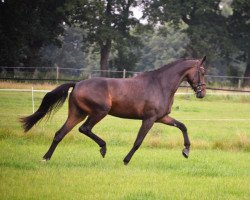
(44, 160)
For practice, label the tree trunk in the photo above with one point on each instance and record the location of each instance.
(105, 45)
(246, 81)
(105, 50)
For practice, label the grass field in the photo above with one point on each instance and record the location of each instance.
(218, 167)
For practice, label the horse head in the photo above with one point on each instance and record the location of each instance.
(196, 78)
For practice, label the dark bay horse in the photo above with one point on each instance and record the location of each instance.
(148, 97)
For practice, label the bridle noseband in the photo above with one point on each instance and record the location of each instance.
(198, 87)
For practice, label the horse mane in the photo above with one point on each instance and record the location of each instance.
(169, 65)
(164, 67)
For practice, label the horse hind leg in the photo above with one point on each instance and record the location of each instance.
(73, 119)
(87, 127)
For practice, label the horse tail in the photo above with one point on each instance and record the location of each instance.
(52, 101)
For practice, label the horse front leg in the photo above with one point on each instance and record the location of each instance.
(145, 127)
(173, 122)
(68, 125)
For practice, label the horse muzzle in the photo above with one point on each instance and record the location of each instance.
(200, 90)
(200, 94)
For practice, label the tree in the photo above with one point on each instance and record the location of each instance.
(207, 27)
(124, 57)
(69, 54)
(161, 46)
(239, 28)
(25, 27)
(105, 23)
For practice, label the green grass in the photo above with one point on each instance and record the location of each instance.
(218, 167)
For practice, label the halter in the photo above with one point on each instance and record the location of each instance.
(198, 87)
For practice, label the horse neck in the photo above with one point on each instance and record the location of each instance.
(171, 77)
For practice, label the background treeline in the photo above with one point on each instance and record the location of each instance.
(106, 35)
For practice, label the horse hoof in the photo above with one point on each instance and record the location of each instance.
(185, 153)
(44, 160)
(125, 162)
(103, 151)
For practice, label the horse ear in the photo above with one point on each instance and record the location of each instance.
(203, 60)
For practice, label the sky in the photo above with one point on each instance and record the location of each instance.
(138, 14)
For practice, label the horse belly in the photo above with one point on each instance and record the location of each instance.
(126, 109)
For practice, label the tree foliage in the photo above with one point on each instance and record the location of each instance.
(70, 53)
(161, 47)
(26, 26)
(239, 28)
(105, 22)
(206, 26)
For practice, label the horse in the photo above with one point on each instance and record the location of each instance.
(147, 97)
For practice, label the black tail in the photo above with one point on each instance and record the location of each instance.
(52, 100)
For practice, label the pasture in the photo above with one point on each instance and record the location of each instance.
(218, 166)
